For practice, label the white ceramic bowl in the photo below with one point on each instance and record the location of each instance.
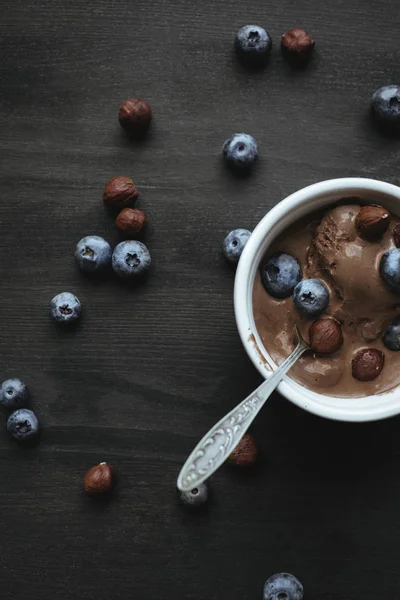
(299, 204)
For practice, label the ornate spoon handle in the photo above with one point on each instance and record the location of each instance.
(222, 439)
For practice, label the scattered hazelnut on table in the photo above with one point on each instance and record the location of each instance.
(297, 46)
(99, 479)
(396, 235)
(135, 116)
(367, 364)
(372, 221)
(131, 220)
(119, 192)
(246, 452)
(326, 336)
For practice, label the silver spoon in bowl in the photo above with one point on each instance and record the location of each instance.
(222, 439)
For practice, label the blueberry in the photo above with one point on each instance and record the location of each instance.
(311, 297)
(253, 43)
(389, 268)
(93, 253)
(196, 497)
(283, 586)
(385, 105)
(65, 308)
(280, 274)
(234, 244)
(240, 151)
(131, 259)
(13, 394)
(23, 424)
(391, 337)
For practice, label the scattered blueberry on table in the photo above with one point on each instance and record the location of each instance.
(389, 268)
(391, 337)
(198, 496)
(283, 586)
(234, 244)
(240, 151)
(311, 297)
(14, 394)
(253, 43)
(23, 425)
(280, 274)
(131, 259)
(93, 253)
(65, 308)
(385, 104)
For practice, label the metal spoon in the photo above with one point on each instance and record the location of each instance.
(222, 439)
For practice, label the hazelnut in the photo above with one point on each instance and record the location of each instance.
(245, 453)
(135, 116)
(325, 336)
(119, 191)
(396, 235)
(367, 364)
(131, 220)
(372, 221)
(99, 479)
(297, 46)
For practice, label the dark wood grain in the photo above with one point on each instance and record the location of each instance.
(150, 369)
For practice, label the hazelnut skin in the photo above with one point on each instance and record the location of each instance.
(99, 480)
(326, 336)
(119, 192)
(131, 221)
(135, 116)
(246, 452)
(297, 46)
(367, 364)
(372, 221)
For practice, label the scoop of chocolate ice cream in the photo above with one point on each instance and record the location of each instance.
(350, 266)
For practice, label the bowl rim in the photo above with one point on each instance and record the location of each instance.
(287, 211)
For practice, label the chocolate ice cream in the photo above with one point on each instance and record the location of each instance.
(329, 247)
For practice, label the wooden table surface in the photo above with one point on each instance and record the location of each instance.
(150, 369)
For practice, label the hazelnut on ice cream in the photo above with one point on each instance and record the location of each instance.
(336, 275)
